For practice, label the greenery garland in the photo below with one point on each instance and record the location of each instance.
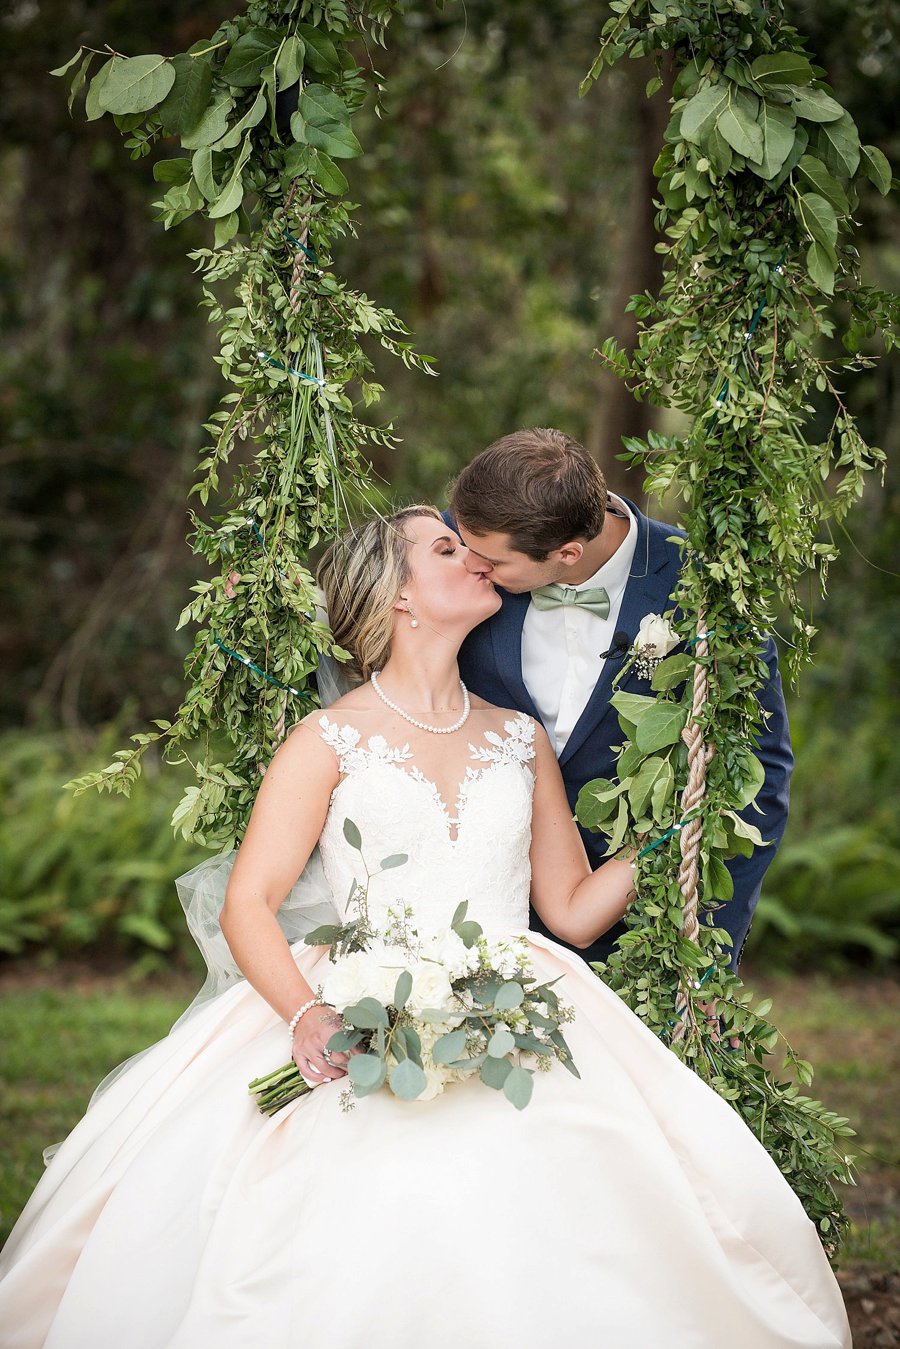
(758, 178)
(262, 112)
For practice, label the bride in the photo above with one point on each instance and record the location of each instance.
(631, 1208)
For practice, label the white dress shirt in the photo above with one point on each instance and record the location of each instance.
(561, 660)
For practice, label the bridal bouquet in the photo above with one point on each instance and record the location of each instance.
(432, 1011)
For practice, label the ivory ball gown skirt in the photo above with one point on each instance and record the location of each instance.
(631, 1209)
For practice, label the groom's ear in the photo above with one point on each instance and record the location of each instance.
(570, 554)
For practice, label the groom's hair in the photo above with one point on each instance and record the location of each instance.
(538, 486)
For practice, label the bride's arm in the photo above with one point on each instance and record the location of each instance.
(577, 904)
(285, 825)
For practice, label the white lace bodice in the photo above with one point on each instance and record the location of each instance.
(479, 853)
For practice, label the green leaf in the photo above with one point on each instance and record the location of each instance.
(325, 122)
(876, 168)
(821, 267)
(367, 1072)
(449, 1047)
(289, 63)
(814, 173)
(172, 171)
(61, 70)
(247, 57)
(819, 220)
(93, 108)
(700, 113)
(840, 144)
(136, 83)
(397, 859)
(671, 672)
(251, 118)
(753, 779)
(186, 101)
(226, 228)
(352, 834)
(468, 933)
(233, 191)
(633, 706)
(459, 913)
(814, 105)
(661, 726)
(322, 936)
(494, 1072)
(509, 995)
(717, 882)
(782, 68)
(321, 53)
(642, 784)
(662, 792)
(367, 1014)
(741, 132)
(403, 990)
(327, 174)
(501, 1043)
(518, 1087)
(407, 1080)
(201, 168)
(777, 125)
(212, 125)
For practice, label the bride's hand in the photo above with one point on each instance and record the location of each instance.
(314, 1029)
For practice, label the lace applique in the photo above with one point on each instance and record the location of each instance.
(352, 756)
(516, 747)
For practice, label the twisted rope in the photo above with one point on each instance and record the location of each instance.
(699, 756)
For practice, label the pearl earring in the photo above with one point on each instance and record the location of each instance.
(414, 623)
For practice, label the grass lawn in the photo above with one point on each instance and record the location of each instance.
(62, 1030)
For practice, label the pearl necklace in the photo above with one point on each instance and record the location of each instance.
(435, 730)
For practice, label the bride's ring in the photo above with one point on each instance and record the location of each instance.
(326, 1055)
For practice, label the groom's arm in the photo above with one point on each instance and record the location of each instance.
(774, 752)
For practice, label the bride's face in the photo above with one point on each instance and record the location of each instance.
(442, 592)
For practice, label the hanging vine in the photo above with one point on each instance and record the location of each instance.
(262, 113)
(759, 177)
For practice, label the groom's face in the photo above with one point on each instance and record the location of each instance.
(492, 556)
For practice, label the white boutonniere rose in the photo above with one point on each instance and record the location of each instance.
(656, 636)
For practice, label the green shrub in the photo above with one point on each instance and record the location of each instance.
(89, 873)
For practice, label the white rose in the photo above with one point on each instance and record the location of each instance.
(451, 951)
(431, 987)
(344, 981)
(435, 1080)
(657, 634)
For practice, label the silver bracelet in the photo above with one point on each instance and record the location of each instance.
(294, 1021)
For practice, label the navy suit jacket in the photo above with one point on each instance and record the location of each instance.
(490, 663)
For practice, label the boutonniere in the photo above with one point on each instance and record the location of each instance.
(655, 639)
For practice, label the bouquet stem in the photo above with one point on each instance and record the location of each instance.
(278, 1089)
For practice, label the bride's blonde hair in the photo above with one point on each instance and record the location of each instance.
(361, 575)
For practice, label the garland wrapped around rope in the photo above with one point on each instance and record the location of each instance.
(759, 165)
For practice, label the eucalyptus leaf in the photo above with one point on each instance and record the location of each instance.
(233, 192)
(501, 1043)
(352, 834)
(518, 1087)
(407, 1080)
(136, 83)
(397, 859)
(367, 1071)
(813, 174)
(403, 990)
(814, 105)
(449, 1047)
(494, 1072)
(509, 995)
(366, 1014)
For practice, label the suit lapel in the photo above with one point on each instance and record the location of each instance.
(506, 637)
(653, 573)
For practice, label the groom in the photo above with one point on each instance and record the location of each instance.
(578, 569)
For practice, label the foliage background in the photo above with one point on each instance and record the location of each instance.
(507, 221)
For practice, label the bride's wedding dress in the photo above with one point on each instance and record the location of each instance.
(631, 1209)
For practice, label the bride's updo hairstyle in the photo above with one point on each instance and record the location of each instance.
(362, 575)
